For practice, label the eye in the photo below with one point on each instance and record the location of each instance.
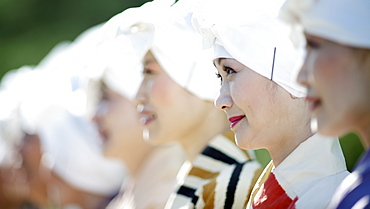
(219, 77)
(229, 70)
(147, 71)
(311, 44)
(105, 96)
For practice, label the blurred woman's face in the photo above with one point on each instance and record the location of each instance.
(37, 174)
(338, 87)
(168, 112)
(118, 122)
(258, 109)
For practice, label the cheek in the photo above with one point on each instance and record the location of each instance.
(245, 92)
(123, 114)
(329, 71)
(160, 91)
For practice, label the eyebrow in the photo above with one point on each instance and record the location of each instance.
(218, 61)
(148, 61)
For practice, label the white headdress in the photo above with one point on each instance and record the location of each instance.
(70, 143)
(343, 21)
(168, 33)
(122, 43)
(250, 32)
(72, 148)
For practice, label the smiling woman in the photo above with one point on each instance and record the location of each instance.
(29, 29)
(268, 111)
(336, 73)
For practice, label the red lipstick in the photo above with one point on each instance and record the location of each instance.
(314, 103)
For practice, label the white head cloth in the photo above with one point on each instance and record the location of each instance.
(71, 144)
(120, 66)
(342, 21)
(168, 33)
(10, 132)
(72, 148)
(119, 52)
(249, 31)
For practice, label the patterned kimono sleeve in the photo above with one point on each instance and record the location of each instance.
(230, 188)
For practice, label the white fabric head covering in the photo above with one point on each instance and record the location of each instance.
(249, 31)
(343, 21)
(71, 144)
(120, 66)
(72, 149)
(119, 52)
(168, 33)
(10, 132)
(178, 49)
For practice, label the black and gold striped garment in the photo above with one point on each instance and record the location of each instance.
(222, 176)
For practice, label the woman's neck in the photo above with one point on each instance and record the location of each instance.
(287, 144)
(212, 125)
(364, 132)
(134, 158)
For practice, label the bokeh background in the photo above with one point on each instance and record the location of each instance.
(29, 29)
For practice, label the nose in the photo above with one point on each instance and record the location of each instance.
(100, 111)
(224, 100)
(139, 98)
(302, 77)
(140, 95)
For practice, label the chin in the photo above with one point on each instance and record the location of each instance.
(151, 137)
(242, 142)
(328, 128)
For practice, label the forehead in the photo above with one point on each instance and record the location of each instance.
(317, 38)
(217, 61)
(226, 61)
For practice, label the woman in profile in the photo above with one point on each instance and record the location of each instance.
(336, 73)
(255, 58)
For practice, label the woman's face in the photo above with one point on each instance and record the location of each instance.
(168, 111)
(337, 88)
(258, 109)
(37, 174)
(117, 121)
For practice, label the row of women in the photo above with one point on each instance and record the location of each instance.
(143, 111)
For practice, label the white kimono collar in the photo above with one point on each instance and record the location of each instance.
(316, 157)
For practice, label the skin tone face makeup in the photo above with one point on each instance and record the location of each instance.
(338, 88)
(261, 113)
(118, 124)
(169, 113)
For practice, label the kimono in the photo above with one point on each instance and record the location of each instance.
(306, 179)
(156, 180)
(354, 192)
(223, 174)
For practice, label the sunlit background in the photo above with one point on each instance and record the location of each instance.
(29, 29)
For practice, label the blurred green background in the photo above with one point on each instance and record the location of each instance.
(29, 29)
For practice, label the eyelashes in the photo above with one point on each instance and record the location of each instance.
(218, 75)
(311, 44)
(228, 72)
(147, 71)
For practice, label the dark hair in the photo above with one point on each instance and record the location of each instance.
(362, 59)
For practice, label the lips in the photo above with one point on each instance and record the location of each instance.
(104, 135)
(147, 117)
(314, 103)
(235, 120)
